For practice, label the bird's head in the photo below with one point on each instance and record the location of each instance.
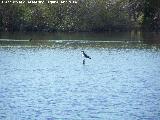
(82, 51)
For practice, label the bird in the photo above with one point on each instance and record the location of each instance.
(85, 56)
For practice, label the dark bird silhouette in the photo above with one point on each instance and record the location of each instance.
(85, 55)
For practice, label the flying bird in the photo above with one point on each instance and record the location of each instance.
(85, 56)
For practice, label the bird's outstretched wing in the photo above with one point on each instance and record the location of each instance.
(87, 56)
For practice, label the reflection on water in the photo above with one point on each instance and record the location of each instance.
(151, 38)
(71, 36)
(99, 40)
(120, 82)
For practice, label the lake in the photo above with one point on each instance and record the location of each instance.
(44, 78)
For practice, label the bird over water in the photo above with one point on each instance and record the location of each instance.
(85, 56)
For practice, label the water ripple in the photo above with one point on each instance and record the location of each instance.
(53, 84)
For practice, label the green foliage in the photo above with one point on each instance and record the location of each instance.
(151, 14)
(86, 15)
(146, 13)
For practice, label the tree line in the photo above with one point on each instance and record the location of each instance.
(86, 15)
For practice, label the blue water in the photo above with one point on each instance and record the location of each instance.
(46, 80)
(52, 84)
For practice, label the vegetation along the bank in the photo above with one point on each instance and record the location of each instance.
(82, 15)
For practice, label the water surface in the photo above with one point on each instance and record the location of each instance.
(46, 80)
